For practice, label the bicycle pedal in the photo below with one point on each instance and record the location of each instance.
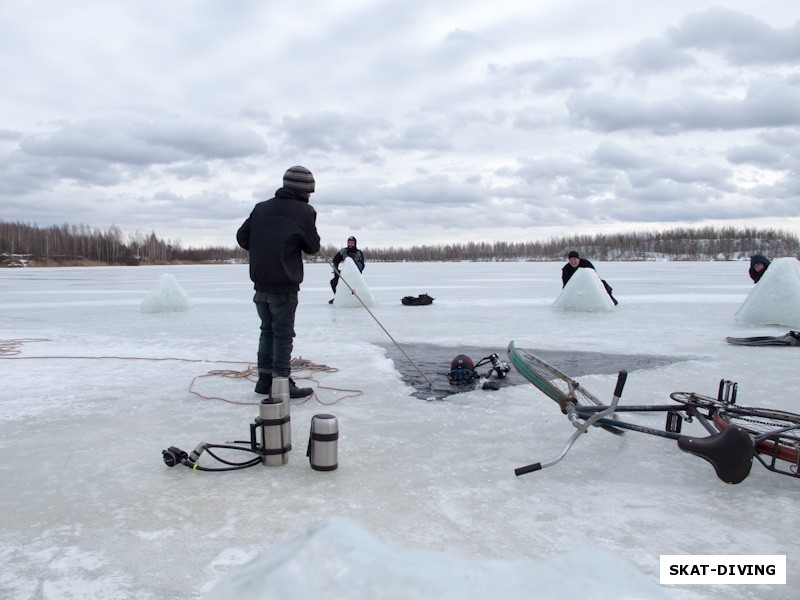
(674, 422)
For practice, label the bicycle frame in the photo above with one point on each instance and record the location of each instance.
(729, 451)
(736, 434)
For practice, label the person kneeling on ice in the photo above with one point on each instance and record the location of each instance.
(276, 234)
(758, 266)
(575, 262)
(351, 251)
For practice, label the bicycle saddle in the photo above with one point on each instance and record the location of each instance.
(730, 452)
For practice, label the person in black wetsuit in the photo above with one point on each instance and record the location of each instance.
(351, 251)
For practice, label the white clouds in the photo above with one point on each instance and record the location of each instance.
(769, 102)
(741, 38)
(555, 113)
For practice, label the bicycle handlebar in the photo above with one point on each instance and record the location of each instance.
(621, 379)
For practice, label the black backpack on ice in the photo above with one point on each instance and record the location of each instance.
(421, 300)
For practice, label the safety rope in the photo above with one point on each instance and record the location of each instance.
(297, 364)
(371, 314)
(11, 349)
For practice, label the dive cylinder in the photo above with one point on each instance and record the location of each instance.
(323, 443)
(280, 391)
(275, 429)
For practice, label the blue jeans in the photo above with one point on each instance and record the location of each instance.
(277, 330)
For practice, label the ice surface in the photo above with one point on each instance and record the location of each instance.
(166, 296)
(344, 295)
(584, 292)
(89, 510)
(337, 558)
(775, 299)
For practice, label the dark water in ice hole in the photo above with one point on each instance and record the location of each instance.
(434, 362)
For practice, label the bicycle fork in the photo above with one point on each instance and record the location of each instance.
(582, 426)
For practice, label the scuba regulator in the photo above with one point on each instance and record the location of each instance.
(270, 442)
(270, 439)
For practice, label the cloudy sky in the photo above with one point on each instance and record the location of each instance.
(422, 121)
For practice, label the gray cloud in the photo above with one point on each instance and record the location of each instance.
(179, 116)
(741, 38)
(656, 56)
(143, 143)
(330, 131)
(769, 102)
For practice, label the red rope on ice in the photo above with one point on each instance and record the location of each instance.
(11, 349)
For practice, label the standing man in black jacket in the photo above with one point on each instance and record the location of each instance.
(276, 234)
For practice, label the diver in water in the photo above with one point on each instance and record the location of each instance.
(463, 371)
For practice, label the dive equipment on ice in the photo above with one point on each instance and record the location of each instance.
(323, 443)
(280, 391)
(421, 300)
(792, 338)
(275, 438)
(270, 438)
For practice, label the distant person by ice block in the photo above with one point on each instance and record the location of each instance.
(584, 292)
(167, 296)
(775, 299)
(351, 274)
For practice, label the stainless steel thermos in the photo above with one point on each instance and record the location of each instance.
(323, 443)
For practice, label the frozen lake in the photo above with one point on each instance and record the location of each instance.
(98, 388)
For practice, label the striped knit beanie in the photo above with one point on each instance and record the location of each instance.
(299, 178)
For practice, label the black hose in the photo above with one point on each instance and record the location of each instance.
(232, 465)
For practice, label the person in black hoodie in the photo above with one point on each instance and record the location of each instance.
(758, 266)
(351, 251)
(276, 234)
(575, 262)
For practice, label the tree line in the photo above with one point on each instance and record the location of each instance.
(702, 243)
(23, 243)
(78, 244)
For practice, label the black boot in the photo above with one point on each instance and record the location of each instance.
(296, 392)
(264, 384)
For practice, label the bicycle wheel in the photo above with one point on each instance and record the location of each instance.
(552, 382)
(697, 400)
(767, 428)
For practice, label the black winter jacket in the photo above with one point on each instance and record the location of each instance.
(276, 234)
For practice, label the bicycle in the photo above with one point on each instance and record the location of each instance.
(736, 434)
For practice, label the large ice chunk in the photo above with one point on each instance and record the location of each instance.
(351, 274)
(337, 558)
(775, 299)
(584, 292)
(167, 296)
